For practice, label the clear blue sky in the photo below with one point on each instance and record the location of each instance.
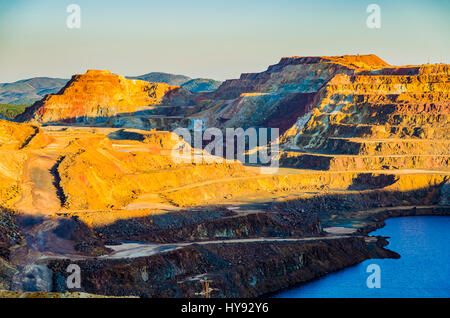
(209, 38)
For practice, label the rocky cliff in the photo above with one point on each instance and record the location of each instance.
(388, 118)
(276, 97)
(96, 95)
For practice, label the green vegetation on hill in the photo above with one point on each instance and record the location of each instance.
(201, 85)
(159, 77)
(10, 111)
(195, 85)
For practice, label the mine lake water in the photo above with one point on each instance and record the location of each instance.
(422, 271)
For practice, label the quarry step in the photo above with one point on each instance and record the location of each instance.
(297, 159)
(387, 118)
(388, 103)
(359, 146)
(367, 131)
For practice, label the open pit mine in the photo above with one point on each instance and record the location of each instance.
(90, 176)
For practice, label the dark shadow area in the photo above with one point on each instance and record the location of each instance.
(301, 217)
(212, 223)
(59, 235)
(365, 181)
(57, 181)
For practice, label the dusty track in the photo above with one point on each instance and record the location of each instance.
(135, 250)
(39, 194)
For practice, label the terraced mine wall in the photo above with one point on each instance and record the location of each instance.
(95, 94)
(311, 182)
(375, 120)
(279, 95)
(237, 270)
(356, 208)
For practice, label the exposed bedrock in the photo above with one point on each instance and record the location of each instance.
(278, 96)
(381, 119)
(96, 95)
(9, 232)
(236, 270)
(10, 236)
(353, 162)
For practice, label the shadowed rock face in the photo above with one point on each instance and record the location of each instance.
(9, 232)
(96, 94)
(238, 270)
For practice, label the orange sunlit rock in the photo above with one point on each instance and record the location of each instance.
(96, 95)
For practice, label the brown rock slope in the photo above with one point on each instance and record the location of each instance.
(96, 95)
(276, 97)
(394, 118)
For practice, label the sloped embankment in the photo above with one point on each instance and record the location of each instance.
(239, 270)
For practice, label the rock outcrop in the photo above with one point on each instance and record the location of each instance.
(9, 232)
(94, 96)
(160, 77)
(276, 97)
(10, 236)
(392, 118)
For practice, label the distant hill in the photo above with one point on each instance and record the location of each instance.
(29, 90)
(159, 77)
(194, 85)
(201, 85)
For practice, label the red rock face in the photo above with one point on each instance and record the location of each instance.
(94, 95)
(276, 97)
